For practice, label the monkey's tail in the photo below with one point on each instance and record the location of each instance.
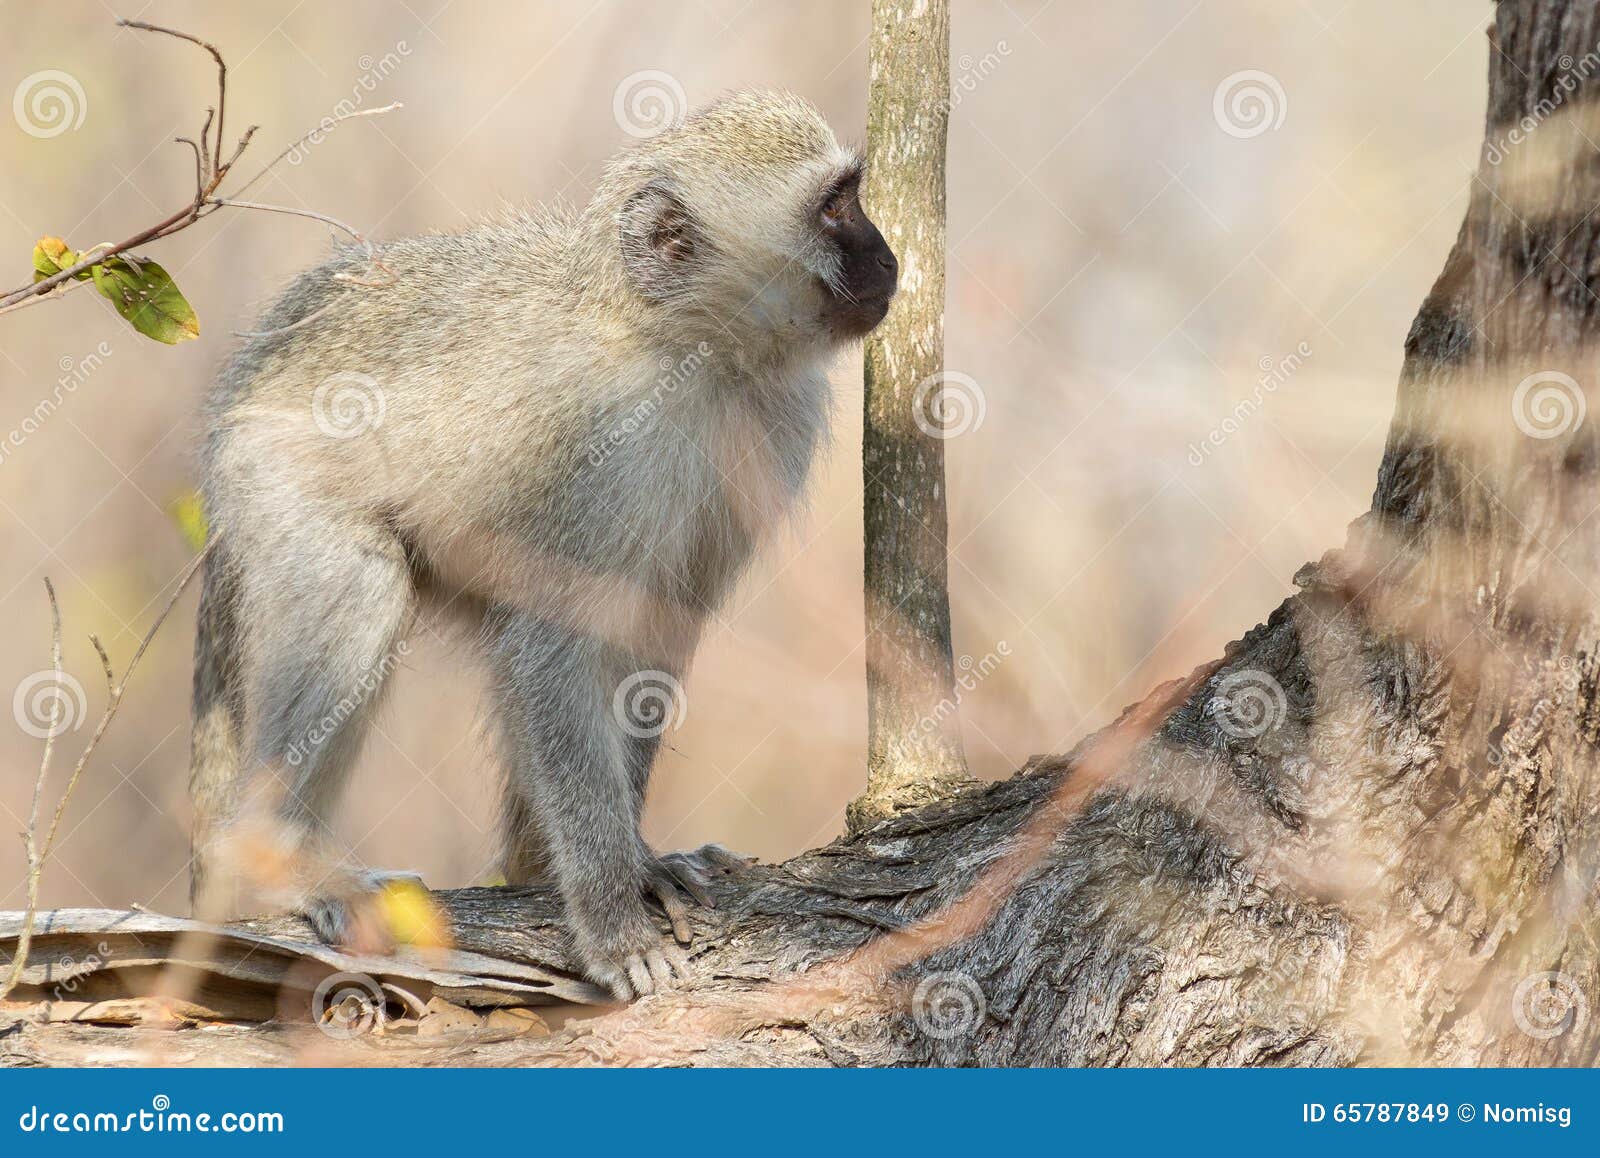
(217, 739)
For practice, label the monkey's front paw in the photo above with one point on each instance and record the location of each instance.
(349, 912)
(656, 969)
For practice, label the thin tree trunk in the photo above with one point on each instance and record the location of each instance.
(914, 751)
(1369, 834)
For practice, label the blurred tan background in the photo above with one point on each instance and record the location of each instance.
(1182, 313)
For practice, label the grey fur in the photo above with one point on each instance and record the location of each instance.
(577, 428)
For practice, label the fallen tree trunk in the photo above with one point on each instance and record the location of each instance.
(1369, 834)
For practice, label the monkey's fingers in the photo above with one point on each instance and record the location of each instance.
(665, 971)
(665, 890)
(686, 874)
(616, 981)
(725, 859)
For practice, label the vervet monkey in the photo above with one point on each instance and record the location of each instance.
(573, 427)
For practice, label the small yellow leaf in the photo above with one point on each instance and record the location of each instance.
(188, 512)
(51, 256)
(412, 915)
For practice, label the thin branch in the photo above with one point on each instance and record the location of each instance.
(30, 838)
(321, 128)
(119, 689)
(39, 852)
(211, 169)
(222, 82)
(199, 166)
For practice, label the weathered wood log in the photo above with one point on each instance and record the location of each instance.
(1369, 834)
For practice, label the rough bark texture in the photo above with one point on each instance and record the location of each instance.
(914, 749)
(1369, 834)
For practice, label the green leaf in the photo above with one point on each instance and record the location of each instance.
(51, 256)
(146, 295)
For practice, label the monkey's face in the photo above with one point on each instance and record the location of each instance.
(864, 271)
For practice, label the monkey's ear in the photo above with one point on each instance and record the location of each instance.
(661, 240)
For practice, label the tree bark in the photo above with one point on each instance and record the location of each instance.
(1369, 834)
(914, 751)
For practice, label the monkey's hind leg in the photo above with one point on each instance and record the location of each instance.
(329, 601)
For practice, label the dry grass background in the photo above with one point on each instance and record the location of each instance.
(1120, 267)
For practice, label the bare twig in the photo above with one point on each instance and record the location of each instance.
(373, 261)
(30, 838)
(210, 171)
(222, 84)
(39, 851)
(199, 165)
(327, 126)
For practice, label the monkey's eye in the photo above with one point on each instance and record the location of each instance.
(839, 208)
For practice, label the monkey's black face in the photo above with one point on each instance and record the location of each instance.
(868, 269)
